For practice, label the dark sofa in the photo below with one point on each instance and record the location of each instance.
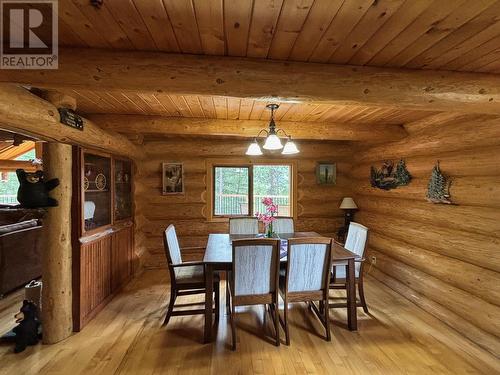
(20, 254)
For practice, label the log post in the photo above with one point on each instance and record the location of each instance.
(56, 257)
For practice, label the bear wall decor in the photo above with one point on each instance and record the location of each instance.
(33, 191)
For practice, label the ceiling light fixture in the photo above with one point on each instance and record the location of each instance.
(273, 141)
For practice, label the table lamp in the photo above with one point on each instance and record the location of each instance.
(349, 207)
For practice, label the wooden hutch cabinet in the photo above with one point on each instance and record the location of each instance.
(103, 231)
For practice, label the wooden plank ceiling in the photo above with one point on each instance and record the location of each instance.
(199, 106)
(425, 34)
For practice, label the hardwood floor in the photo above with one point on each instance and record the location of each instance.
(127, 338)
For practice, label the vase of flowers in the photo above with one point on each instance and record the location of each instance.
(269, 216)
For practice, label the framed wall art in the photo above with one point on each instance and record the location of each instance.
(172, 178)
(326, 173)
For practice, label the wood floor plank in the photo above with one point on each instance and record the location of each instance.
(127, 338)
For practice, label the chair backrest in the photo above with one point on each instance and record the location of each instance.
(356, 240)
(255, 266)
(88, 210)
(244, 208)
(243, 225)
(171, 244)
(309, 263)
(283, 225)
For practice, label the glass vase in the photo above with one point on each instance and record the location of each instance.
(269, 231)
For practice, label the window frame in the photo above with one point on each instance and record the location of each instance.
(247, 163)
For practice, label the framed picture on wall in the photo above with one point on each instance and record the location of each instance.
(172, 178)
(326, 173)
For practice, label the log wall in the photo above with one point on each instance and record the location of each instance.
(317, 205)
(445, 258)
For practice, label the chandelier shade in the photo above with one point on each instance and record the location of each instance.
(254, 149)
(273, 142)
(290, 147)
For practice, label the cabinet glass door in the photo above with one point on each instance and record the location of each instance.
(97, 191)
(123, 189)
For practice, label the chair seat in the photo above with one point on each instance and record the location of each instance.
(340, 270)
(189, 274)
(192, 274)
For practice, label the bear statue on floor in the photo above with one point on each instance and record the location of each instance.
(34, 191)
(26, 332)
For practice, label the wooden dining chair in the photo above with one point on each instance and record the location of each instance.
(243, 225)
(306, 278)
(186, 278)
(356, 242)
(283, 225)
(254, 279)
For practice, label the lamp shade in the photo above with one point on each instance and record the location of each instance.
(290, 147)
(273, 142)
(348, 204)
(254, 149)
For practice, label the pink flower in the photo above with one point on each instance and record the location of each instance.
(265, 218)
(273, 208)
(267, 201)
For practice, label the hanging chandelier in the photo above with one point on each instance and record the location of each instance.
(273, 141)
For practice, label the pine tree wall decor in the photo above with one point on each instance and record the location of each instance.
(387, 178)
(438, 190)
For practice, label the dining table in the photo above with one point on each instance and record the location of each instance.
(218, 257)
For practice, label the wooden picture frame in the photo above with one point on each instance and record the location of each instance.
(172, 180)
(326, 173)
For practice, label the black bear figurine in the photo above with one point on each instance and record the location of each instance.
(27, 329)
(34, 191)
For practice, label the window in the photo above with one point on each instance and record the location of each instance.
(231, 191)
(239, 189)
(272, 181)
(9, 183)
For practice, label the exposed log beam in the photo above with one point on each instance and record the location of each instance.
(445, 118)
(309, 82)
(138, 124)
(12, 165)
(28, 114)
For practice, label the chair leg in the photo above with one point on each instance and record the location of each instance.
(173, 296)
(285, 318)
(326, 311)
(228, 305)
(217, 301)
(362, 294)
(277, 323)
(233, 326)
